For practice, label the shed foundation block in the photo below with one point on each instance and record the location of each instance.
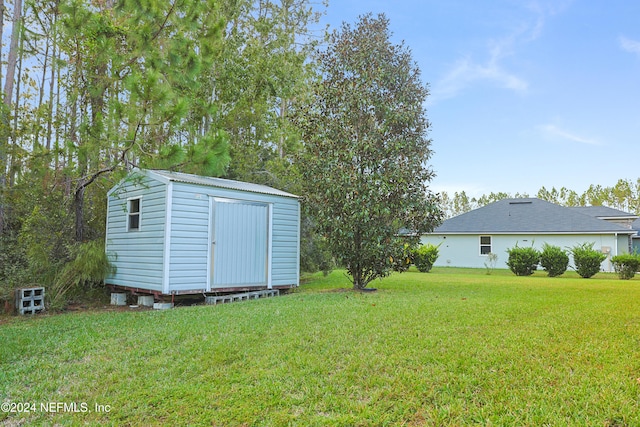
(118, 298)
(145, 300)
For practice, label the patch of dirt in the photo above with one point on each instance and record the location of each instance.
(337, 290)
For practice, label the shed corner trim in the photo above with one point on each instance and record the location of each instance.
(166, 256)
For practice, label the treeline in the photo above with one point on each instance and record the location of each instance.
(624, 195)
(94, 88)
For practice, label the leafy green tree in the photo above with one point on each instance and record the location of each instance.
(596, 195)
(624, 195)
(563, 197)
(491, 198)
(461, 203)
(262, 72)
(457, 204)
(366, 149)
(620, 195)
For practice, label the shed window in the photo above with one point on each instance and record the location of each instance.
(134, 215)
(485, 245)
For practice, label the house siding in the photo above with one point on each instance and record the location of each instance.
(463, 250)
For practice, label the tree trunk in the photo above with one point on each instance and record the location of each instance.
(78, 206)
(13, 52)
(36, 137)
(2, 9)
(13, 163)
(283, 109)
(6, 98)
(52, 82)
(357, 279)
(4, 120)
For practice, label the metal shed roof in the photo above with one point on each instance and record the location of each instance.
(219, 182)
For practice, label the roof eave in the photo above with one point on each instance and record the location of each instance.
(631, 232)
(185, 180)
(628, 217)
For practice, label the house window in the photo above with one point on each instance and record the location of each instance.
(133, 222)
(485, 245)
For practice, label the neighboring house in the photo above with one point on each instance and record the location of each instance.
(635, 239)
(608, 214)
(466, 240)
(175, 233)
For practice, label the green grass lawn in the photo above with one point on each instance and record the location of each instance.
(453, 347)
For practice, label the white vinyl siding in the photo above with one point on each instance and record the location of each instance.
(461, 250)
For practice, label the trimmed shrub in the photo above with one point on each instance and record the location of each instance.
(402, 259)
(586, 259)
(554, 260)
(523, 261)
(626, 265)
(425, 256)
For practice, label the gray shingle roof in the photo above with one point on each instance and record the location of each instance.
(603, 212)
(527, 216)
(221, 183)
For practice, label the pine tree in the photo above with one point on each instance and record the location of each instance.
(133, 76)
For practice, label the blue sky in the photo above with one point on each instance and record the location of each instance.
(524, 94)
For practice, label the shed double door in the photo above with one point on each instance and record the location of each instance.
(239, 243)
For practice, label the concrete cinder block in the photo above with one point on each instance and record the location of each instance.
(241, 296)
(29, 300)
(162, 305)
(118, 298)
(145, 300)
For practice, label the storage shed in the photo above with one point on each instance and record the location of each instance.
(175, 233)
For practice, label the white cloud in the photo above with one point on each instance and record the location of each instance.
(466, 72)
(629, 45)
(555, 132)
